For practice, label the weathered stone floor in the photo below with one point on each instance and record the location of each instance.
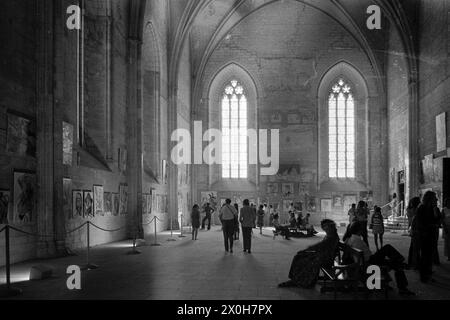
(186, 269)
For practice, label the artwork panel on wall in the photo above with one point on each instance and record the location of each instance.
(122, 159)
(148, 201)
(209, 196)
(67, 198)
(337, 201)
(88, 204)
(5, 196)
(21, 136)
(123, 192)
(164, 171)
(441, 132)
(108, 206)
(67, 143)
(98, 200)
(115, 204)
(287, 189)
(348, 200)
(325, 205)
(24, 197)
(272, 187)
(77, 203)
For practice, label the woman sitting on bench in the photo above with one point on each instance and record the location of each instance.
(281, 229)
(306, 264)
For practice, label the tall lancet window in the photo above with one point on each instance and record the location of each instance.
(341, 130)
(234, 131)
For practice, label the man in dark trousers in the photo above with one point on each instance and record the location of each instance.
(208, 210)
(228, 218)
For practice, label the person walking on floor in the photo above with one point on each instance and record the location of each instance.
(228, 216)
(195, 220)
(425, 226)
(236, 225)
(377, 227)
(351, 213)
(247, 219)
(208, 210)
(260, 218)
(362, 215)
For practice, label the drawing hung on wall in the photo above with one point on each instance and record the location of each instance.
(5, 195)
(77, 203)
(123, 192)
(115, 204)
(21, 136)
(88, 207)
(67, 143)
(107, 198)
(98, 200)
(24, 197)
(325, 205)
(337, 201)
(272, 187)
(287, 189)
(67, 198)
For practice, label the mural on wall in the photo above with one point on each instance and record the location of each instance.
(348, 200)
(209, 196)
(88, 200)
(325, 205)
(98, 200)
(77, 203)
(67, 143)
(272, 188)
(441, 133)
(115, 204)
(21, 136)
(311, 203)
(123, 192)
(287, 189)
(5, 195)
(337, 201)
(67, 198)
(24, 197)
(122, 159)
(107, 197)
(428, 171)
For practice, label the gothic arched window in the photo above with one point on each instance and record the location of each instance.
(234, 131)
(341, 131)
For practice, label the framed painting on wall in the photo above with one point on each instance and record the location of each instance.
(115, 204)
(272, 187)
(77, 203)
(67, 143)
(287, 189)
(325, 205)
(108, 203)
(24, 197)
(21, 136)
(5, 196)
(67, 198)
(123, 193)
(441, 133)
(88, 204)
(98, 200)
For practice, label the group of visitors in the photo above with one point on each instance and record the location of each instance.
(425, 220)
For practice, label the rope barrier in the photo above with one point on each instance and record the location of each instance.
(106, 230)
(79, 227)
(32, 234)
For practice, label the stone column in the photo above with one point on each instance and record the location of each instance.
(173, 173)
(412, 174)
(45, 126)
(134, 138)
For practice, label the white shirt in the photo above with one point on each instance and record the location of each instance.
(357, 242)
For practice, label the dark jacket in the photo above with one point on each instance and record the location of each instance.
(247, 217)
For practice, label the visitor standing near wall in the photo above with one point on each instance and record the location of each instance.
(260, 218)
(425, 226)
(208, 211)
(271, 213)
(236, 225)
(227, 217)
(436, 226)
(352, 213)
(362, 215)
(394, 205)
(247, 219)
(411, 210)
(446, 227)
(195, 220)
(377, 226)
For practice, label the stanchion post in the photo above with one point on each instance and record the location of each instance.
(181, 228)
(89, 265)
(8, 291)
(134, 250)
(155, 243)
(171, 230)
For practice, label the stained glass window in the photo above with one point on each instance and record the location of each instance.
(234, 131)
(341, 131)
